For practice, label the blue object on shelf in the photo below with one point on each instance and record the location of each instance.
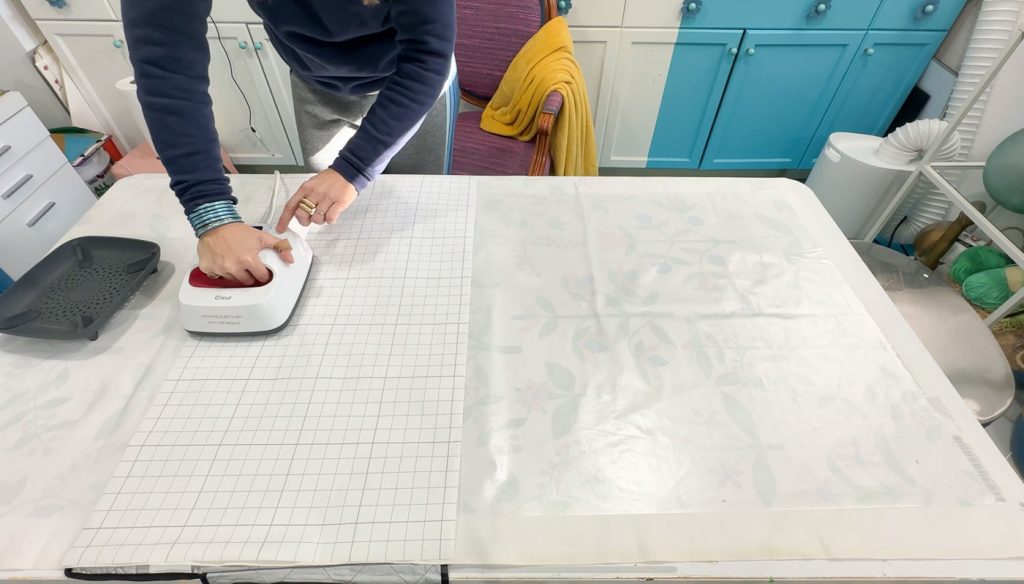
(60, 4)
(5, 281)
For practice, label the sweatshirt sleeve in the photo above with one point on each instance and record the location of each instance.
(171, 57)
(426, 41)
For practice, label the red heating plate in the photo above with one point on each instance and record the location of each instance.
(197, 279)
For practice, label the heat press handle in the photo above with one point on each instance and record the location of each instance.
(272, 259)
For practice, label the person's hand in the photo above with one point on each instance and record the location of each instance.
(329, 192)
(232, 251)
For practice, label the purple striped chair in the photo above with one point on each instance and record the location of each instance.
(489, 35)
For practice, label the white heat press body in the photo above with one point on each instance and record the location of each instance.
(222, 307)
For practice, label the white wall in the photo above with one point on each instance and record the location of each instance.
(19, 36)
(1004, 113)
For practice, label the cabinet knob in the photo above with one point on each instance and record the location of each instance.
(751, 51)
(869, 51)
(118, 43)
(258, 45)
(821, 8)
(928, 8)
(733, 51)
(691, 7)
(243, 45)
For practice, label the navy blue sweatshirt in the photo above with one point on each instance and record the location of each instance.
(402, 48)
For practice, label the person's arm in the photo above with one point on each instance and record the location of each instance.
(426, 41)
(171, 57)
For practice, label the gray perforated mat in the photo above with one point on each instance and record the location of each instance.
(75, 289)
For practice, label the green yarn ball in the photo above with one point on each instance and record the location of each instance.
(976, 260)
(988, 289)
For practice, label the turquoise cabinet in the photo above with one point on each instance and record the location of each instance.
(884, 70)
(917, 14)
(781, 86)
(758, 84)
(749, 14)
(698, 71)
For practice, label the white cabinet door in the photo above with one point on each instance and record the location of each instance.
(277, 74)
(596, 13)
(223, 11)
(96, 57)
(668, 84)
(596, 50)
(240, 90)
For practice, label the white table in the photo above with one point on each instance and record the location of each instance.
(61, 396)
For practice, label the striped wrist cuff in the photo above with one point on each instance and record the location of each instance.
(212, 215)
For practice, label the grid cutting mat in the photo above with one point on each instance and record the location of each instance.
(334, 441)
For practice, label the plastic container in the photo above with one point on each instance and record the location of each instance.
(853, 183)
(96, 170)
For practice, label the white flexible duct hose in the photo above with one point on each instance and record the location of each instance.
(925, 205)
(909, 142)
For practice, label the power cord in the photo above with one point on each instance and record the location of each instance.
(892, 235)
(273, 199)
(238, 86)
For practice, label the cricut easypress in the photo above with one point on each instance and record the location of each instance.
(219, 306)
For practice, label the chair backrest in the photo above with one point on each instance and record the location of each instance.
(489, 34)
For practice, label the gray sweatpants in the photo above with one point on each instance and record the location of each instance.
(326, 121)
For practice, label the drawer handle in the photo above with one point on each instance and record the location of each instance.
(40, 214)
(819, 8)
(14, 188)
(5, 149)
(118, 43)
(928, 8)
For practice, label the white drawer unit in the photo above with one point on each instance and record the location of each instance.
(41, 195)
(18, 184)
(18, 135)
(27, 234)
(71, 9)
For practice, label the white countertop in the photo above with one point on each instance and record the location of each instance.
(70, 408)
